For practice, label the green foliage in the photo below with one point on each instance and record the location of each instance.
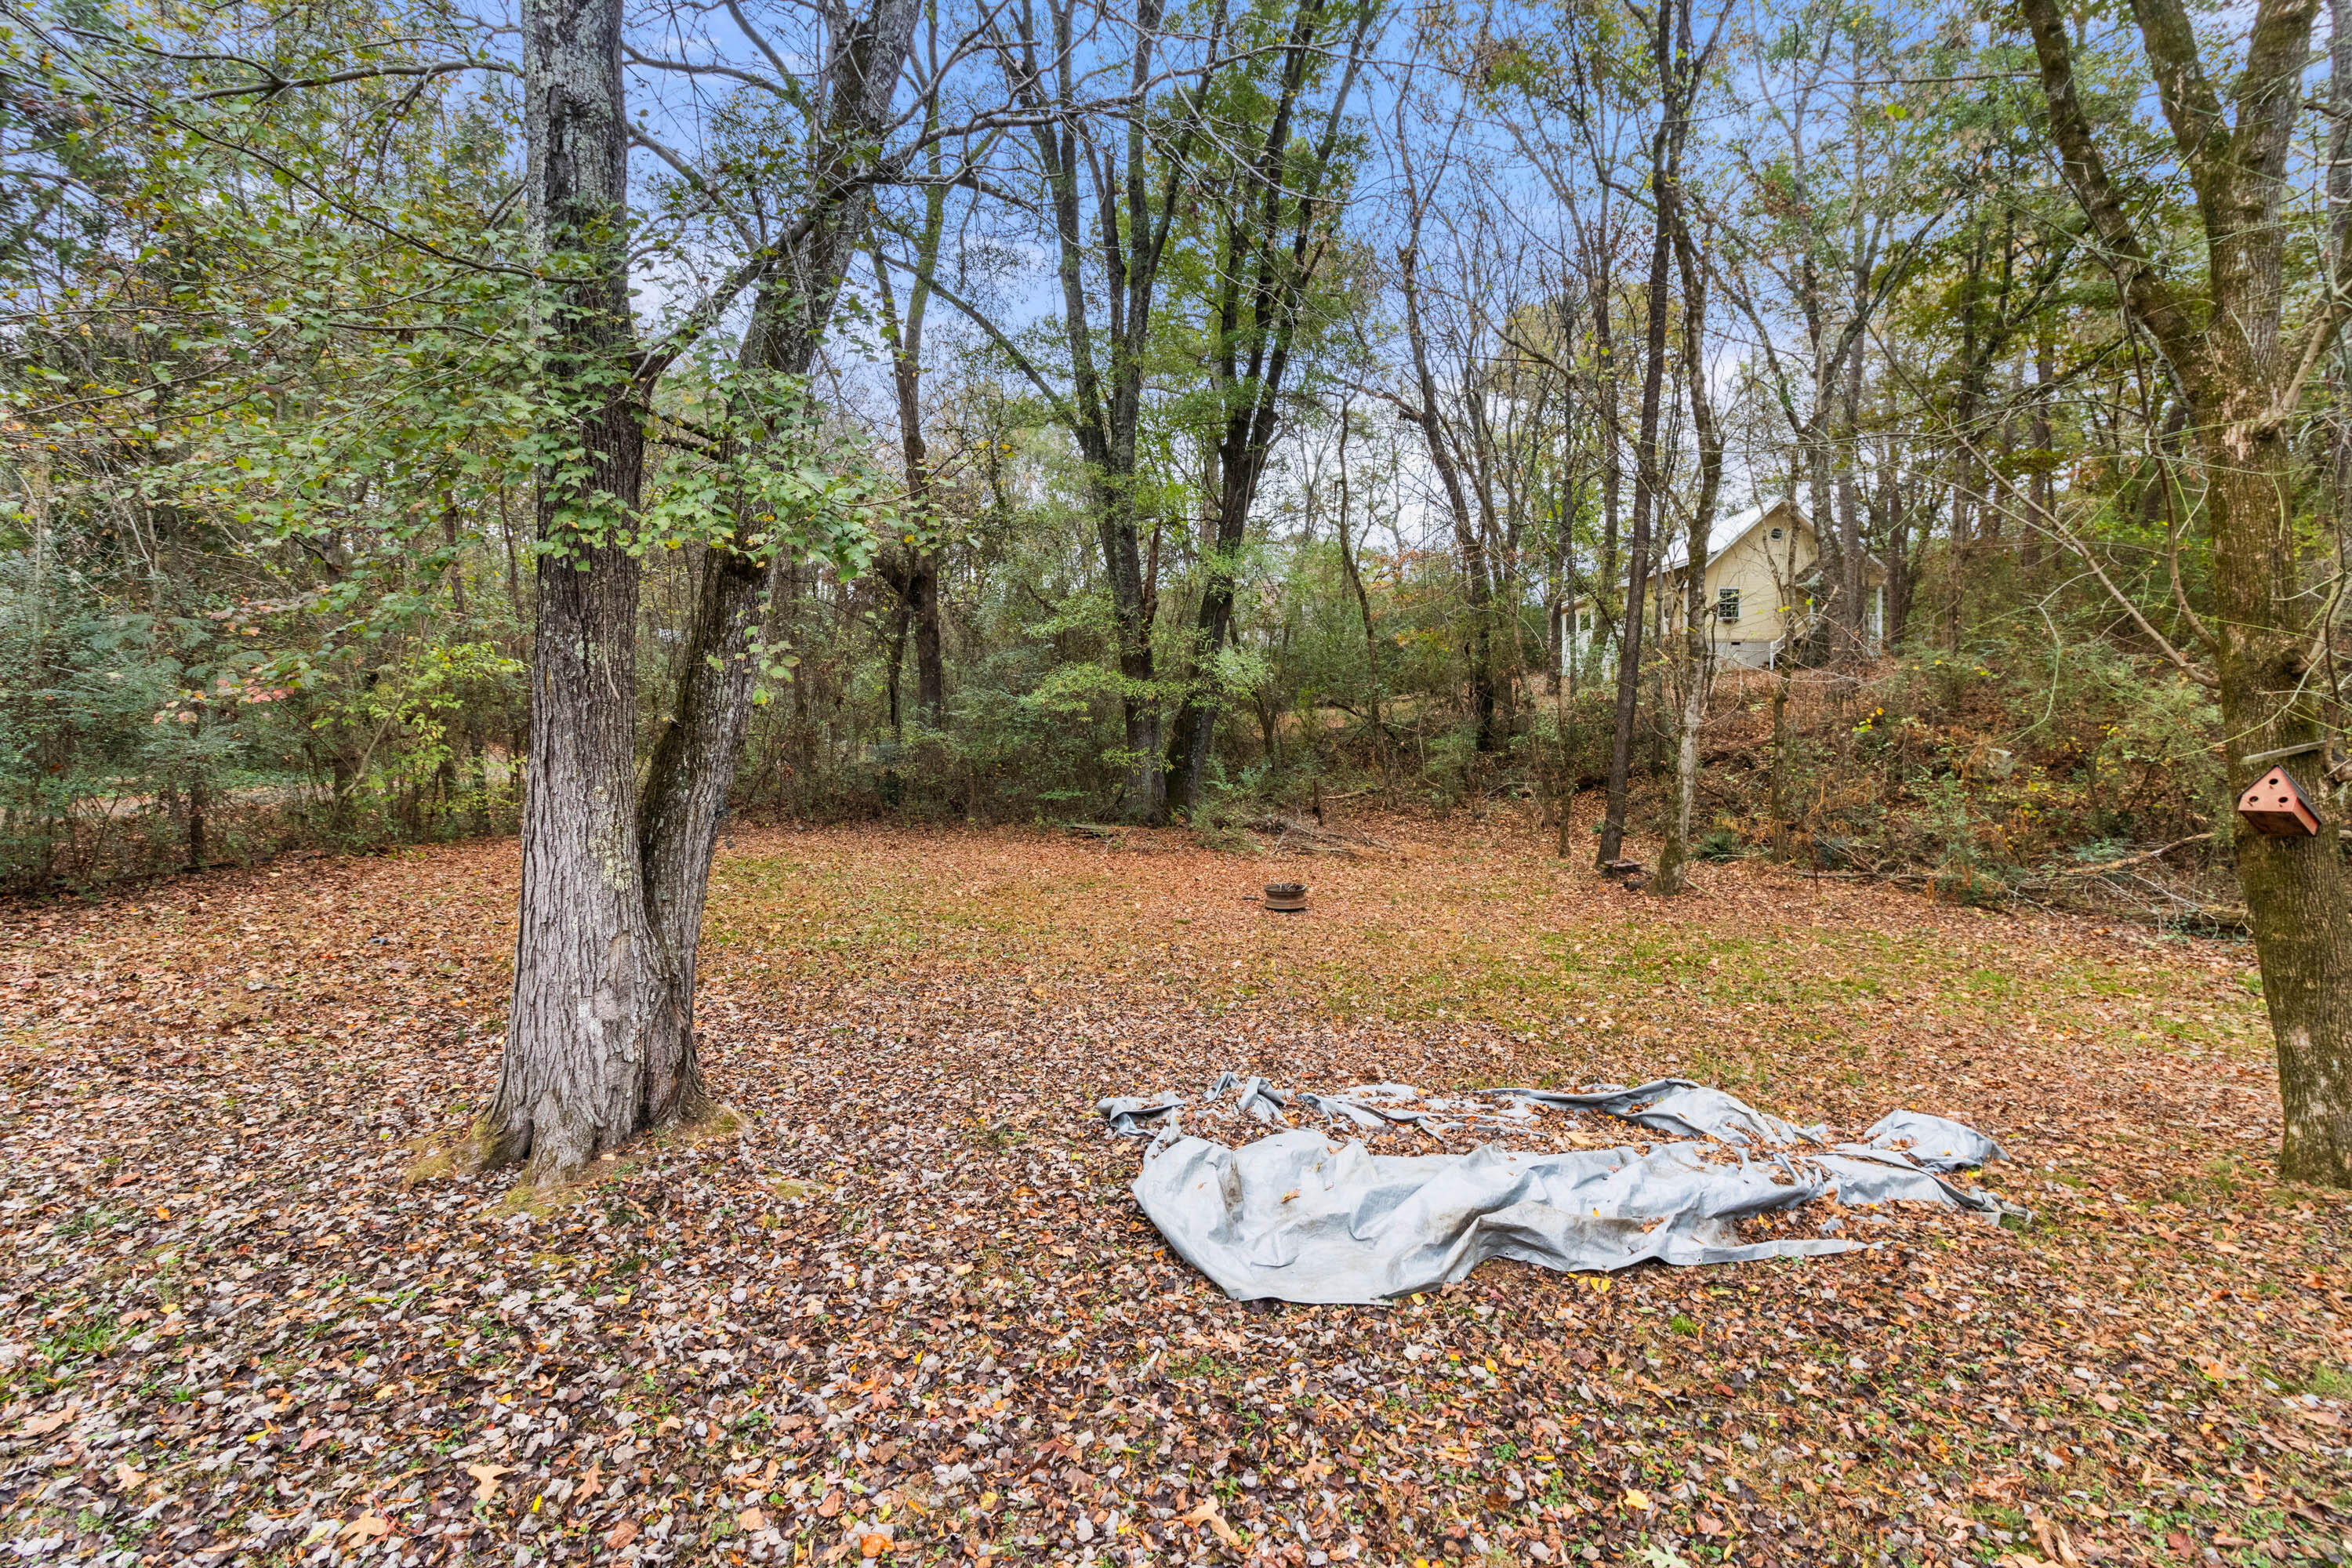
(286, 452)
(1718, 845)
(266, 427)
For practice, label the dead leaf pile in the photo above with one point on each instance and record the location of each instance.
(907, 1311)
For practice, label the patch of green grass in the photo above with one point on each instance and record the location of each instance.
(92, 1220)
(1202, 1365)
(77, 1339)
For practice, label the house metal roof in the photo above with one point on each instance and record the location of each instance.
(1727, 532)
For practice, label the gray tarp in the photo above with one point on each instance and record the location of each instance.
(1307, 1216)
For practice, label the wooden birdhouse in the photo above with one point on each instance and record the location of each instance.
(2277, 805)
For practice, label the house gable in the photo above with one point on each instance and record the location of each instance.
(1761, 567)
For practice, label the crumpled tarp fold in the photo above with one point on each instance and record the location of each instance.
(1298, 1216)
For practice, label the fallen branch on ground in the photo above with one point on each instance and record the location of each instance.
(2157, 854)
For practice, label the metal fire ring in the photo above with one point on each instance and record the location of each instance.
(1286, 897)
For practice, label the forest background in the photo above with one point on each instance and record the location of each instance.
(1240, 456)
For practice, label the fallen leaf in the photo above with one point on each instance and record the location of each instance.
(126, 1477)
(368, 1526)
(1639, 1501)
(998, 1095)
(2053, 1541)
(42, 1426)
(1205, 1512)
(485, 1480)
(751, 1519)
(621, 1534)
(873, 1545)
(829, 1507)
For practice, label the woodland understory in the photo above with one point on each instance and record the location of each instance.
(895, 1303)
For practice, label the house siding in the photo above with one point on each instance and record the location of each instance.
(1761, 568)
(1764, 569)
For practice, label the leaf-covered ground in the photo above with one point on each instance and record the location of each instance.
(905, 1308)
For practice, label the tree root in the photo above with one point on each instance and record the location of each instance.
(541, 1189)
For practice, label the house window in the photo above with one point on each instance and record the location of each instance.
(1727, 604)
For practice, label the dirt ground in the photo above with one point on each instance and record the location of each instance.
(905, 1308)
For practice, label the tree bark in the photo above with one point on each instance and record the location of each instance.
(1698, 643)
(2295, 888)
(1664, 150)
(594, 996)
(695, 757)
(600, 1040)
(2223, 336)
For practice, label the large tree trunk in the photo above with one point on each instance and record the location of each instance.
(2222, 335)
(594, 995)
(931, 663)
(2294, 887)
(600, 1042)
(1196, 718)
(687, 780)
(594, 991)
(1145, 796)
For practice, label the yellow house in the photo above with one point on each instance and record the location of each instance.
(1760, 586)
